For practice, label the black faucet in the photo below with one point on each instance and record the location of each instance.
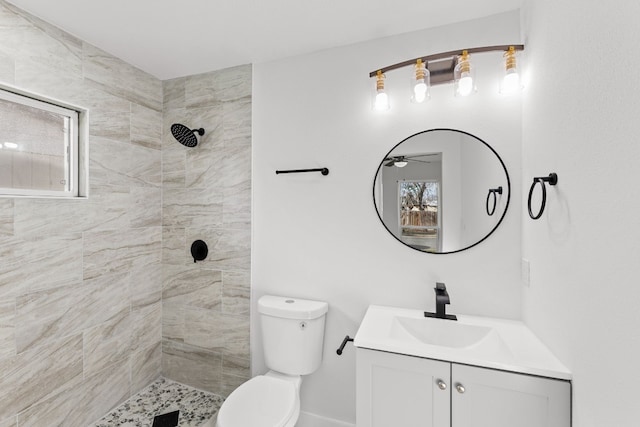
(442, 299)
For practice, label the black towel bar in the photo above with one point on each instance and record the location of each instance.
(323, 171)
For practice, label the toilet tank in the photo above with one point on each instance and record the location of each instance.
(292, 333)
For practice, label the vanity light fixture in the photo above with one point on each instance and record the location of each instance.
(421, 83)
(447, 67)
(511, 81)
(464, 75)
(381, 101)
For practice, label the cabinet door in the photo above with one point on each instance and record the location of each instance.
(393, 390)
(490, 398)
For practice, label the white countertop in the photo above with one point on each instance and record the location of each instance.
(511, 346)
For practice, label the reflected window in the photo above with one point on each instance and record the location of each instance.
(38, 148)
(419, 214)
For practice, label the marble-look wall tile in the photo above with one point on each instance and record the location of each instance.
(147, 325)
(236, 210)
(145, 166)
(146, 207)
(236, 292)
(174, 166)
(10, 422)
(208, 89)
(46, 316)
(145, 279)
(229, 249)
(80, 405)
(7, 70)
(173, 246)
(203, 328)
(230, 383)
(38, 263)
(173, 321)
(173, 93)
(6, 217)
(146, 366)
(207, 196)
(190, 365)
(192, 207)
(108, 343)
(65, 43)
(237, 121)
(117, 251)
(112, 125)
(235, 331)
(47, 217)
(193, 286)
(7, 328)
(146, 127)
(36, 375)
(81, 280)
(211, 119)
(115, 76)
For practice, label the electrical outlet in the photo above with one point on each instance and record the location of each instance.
(525, 272)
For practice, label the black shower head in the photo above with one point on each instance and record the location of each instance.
(186, 136)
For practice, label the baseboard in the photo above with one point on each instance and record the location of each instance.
(308, 419)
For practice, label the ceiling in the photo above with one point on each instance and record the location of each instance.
(174, 38)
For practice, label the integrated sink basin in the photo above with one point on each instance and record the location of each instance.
(445, 333)
(480, 341)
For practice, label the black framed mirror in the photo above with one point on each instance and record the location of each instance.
(441, 191)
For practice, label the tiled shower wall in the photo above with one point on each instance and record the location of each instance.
(80, 280)
(207, 195)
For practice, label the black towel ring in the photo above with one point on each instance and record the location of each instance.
(552, 179)
(491, 211)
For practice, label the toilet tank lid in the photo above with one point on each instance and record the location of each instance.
(291, 308)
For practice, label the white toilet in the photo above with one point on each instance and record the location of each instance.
(292, 339)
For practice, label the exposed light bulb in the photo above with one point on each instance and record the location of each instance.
(381, 102)
(464, 73)
(421, 82)
(511, 81)
(400, 163)
(465, 85)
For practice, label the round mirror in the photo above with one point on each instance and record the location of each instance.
(441, 191)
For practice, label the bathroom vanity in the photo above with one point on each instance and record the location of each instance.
(417, 371)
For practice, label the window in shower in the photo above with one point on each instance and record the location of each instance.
(39, 148)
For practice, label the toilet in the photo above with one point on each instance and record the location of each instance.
(292, 339)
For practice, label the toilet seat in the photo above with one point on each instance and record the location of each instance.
(263, 401)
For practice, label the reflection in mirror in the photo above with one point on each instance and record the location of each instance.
(431, 191)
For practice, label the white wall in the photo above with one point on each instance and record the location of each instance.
(319, 237)
(580, 111)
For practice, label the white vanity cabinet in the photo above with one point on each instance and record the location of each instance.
(394, 390)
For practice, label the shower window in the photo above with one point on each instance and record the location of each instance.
(38, 148)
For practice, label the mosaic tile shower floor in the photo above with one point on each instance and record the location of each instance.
(197, 408)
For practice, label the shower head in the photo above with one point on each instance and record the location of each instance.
(184, 135)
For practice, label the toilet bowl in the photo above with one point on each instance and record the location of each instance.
(292, 338)
(270, 400)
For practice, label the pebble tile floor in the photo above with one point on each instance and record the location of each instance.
(197, 408)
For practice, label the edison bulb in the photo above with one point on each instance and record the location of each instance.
(465, 85)
(420, 91)
(511, 82)
(382, 101)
